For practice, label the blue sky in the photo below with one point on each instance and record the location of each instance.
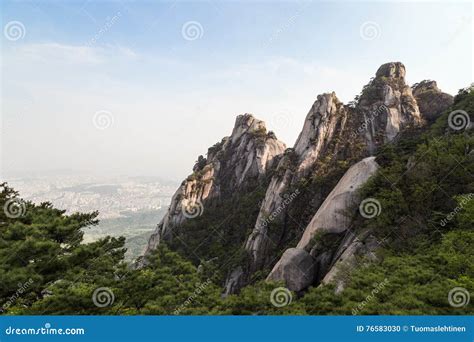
(168, 96)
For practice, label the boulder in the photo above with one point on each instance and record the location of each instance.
(332, 215)
(295, 268)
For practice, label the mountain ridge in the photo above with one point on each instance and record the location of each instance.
(334, 137)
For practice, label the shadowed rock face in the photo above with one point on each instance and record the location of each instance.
(333, 134)
(388, 105)
(333, 131)
(331, 217)
(325, 119)
(243, 157)
(295, 268)
(431, 100)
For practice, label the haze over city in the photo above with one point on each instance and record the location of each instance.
(168, 79)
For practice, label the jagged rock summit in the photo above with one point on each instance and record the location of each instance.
(331, 218)
(330, 161)
(332, 133)
(431, 100)
(231, 164)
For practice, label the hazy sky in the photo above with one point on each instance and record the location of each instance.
(143, 88)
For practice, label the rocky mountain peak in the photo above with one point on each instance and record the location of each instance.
(231, 165)
(246, 123)
(332, 133)
(395, 70)
(387, 104)
(431, 100)
(321, 123)
(424, 86)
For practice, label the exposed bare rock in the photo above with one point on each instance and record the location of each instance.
(387, 105)
(326, 114)
(295, 268)
(431, 100)
(333, 132)
(352, 249)
(325, 119)
(331, 216)
(331, 159)
(233, 283)
(395, 70)
(237, 160)
(257, 242)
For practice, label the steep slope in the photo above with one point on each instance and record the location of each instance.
(238, 163)
(253, 210)
(334, 136)
(431, 100)
(331, 219)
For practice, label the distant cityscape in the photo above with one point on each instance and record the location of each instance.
(128, 206)
(111, 196)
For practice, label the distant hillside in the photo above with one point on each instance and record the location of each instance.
(136, 227)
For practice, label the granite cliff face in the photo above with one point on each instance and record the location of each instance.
(331, 218)
(431, 100)
(336, 146)
(333, 132)
(234, 163)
